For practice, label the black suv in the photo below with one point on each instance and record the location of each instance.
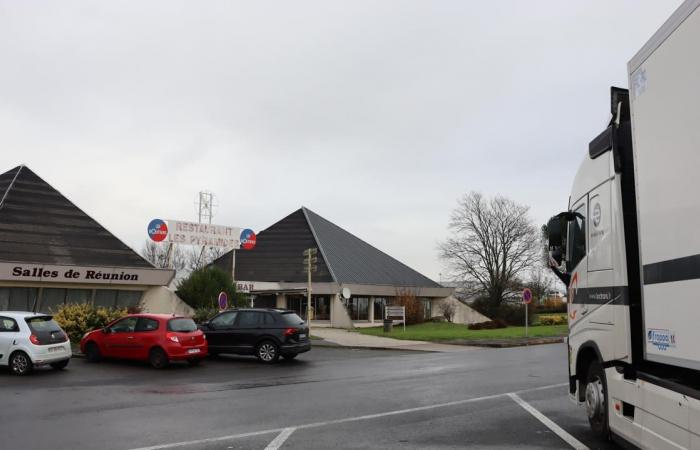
(265, 333)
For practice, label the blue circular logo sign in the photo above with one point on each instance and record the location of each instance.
(157, 230)
(248, 239)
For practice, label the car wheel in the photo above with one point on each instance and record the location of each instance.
(158, 358)
(20, 364)
(267, 352)
(194, 362)
(60, 365)
(596, 395)
(290, 356)
(92, 352)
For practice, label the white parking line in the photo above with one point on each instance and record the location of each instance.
(346, 420)
(559, 431)
(279, 440)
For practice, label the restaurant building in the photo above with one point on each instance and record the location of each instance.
(53, 253)
(273, 273)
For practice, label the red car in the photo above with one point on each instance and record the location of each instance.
(156, 338)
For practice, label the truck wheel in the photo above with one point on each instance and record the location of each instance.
(596, 395)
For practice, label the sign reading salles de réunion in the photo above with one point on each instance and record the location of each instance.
(78, 274)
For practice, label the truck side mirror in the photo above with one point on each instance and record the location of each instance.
(555, 234)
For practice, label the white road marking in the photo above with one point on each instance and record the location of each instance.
(346, 420)
(559, 431)
(279, 440)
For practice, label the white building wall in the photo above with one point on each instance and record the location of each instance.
(463, 313)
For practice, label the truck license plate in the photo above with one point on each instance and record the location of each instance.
(193, 350)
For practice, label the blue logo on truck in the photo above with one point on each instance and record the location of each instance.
(661, 339)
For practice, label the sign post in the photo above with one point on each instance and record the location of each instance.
(223, 301)
(527, 299)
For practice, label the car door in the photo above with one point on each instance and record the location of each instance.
(248, 328)
(145, 336)
(219, 331)
(118, 340)
(9, 330)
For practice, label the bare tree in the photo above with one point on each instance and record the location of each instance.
(157, 254)
(541, 284)
(198, 257)
(493, 242)
(448, 309)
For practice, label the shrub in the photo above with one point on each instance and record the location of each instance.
(202, 287)
(448, 308)
(414, 307)
(204, 314)
(553, 319)
(552, 305)
(78, 319)
(511, 313)
(489, 325)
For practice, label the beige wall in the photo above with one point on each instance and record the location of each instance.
(161, 300)
(463, 314)
(339, 314)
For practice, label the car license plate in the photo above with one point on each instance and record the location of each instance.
(55, 349)
(193, 350)
(302, 336)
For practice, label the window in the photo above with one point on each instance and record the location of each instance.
(576, 238)
(224, 320)
(427, 308)
(52, 299)
(78, 296)
(379, 308)
(113, 298)
(182, 325)
(146, 324)
(358, 308)
(249, 319)
(18, 299)
(8, 325)
(268, 319)
(42, 324)
(127, 325)
(292, 319)
(320, 308)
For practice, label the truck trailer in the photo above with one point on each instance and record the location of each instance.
(628, 248)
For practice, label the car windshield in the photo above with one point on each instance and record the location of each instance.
(182, 325)
(291, 318)
(42, 323)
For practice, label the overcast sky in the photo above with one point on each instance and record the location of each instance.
(377, 115)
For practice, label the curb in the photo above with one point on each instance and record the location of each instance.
(505, 343)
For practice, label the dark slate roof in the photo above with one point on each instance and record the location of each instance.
(343, 257)
(39, 225)
(278, 254)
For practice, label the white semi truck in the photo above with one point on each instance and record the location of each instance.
(628, 248)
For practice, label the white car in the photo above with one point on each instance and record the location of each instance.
(32, 339)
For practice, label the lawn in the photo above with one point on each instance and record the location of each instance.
(448, 331)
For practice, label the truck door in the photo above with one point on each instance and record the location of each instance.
(576, 261)
(600, 290)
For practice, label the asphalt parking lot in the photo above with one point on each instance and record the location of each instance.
(328, 398)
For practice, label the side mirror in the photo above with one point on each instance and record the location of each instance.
(556, 228)
(207, 324)
(106, 330)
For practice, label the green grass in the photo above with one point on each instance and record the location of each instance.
(449, 331)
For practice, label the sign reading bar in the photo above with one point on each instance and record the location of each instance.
(204, 234)
(78, 274)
